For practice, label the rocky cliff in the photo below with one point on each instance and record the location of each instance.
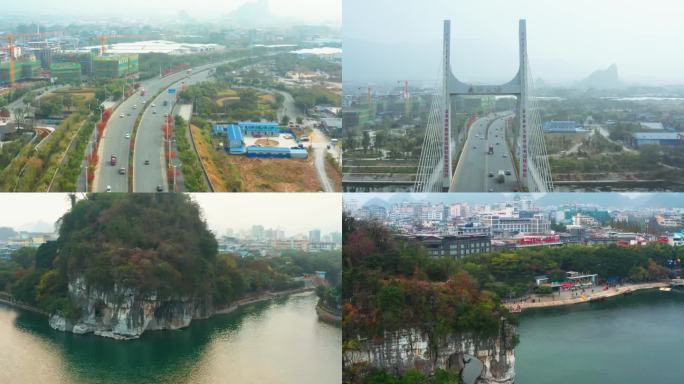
(408, 349)
(125, 313)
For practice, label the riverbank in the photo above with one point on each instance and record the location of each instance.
(555, 301)
(7, 300)
(259, 298)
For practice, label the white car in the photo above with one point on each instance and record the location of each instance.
(122, 115)
(127, 135)
(153, 105)
(135, 106)
(109, 188)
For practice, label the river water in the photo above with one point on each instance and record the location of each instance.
(633, 339)
(279, 341)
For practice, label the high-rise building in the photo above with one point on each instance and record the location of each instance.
(315, 236)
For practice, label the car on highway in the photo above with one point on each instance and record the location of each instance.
(154, 111)
(127, 135)
(474, 146)
(154, 105)
(147, 162)
(122, 115)
(491, 174)
(143, 102)
(508, 172)
(504, 155)
(109, 188)
(159, 188)
(122, 171)
(500, 176)
(135, 106)
(129, 113)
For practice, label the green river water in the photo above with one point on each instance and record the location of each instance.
(633, 339)
(279, 341)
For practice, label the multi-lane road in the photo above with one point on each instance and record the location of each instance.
(477, 170)
(149, 167)
(149, 143)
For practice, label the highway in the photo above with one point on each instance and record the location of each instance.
(114, 141)
(149, 140)
(475, 165)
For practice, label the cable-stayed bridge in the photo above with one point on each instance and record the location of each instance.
(497, 153)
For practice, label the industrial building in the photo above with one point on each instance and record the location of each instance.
(69, 73)
(115, 66)
(671, 139)
(562, 127)
(237, 137)
(158, 46)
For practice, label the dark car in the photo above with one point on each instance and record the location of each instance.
(508, 172)
(490, 174)
(159, 188)
(147, 162)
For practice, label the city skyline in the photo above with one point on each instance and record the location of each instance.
(605, 200)
(22, 211)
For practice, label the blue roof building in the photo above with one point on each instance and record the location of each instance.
(562, 127)
(258, 128)
(657, 138)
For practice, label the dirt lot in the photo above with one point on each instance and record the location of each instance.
(234, 173)
(267, 142)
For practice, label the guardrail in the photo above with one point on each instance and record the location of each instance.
(194, 147)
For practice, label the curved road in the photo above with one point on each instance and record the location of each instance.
(475, 164)
(149, 140)
(114, 140)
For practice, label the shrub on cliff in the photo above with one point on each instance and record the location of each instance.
(152, 242)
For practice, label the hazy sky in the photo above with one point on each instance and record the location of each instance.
(567, 39)
(608, 199)
(300, 10)
(292, 212)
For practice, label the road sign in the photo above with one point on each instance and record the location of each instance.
(172, 91)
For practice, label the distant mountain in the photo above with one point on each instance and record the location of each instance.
(253, 14)
(603, 79)
(6, 233)
(376, 201)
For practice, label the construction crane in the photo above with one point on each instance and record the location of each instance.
(407, 97)
(10, 53)
(11, 48)
(103, 43)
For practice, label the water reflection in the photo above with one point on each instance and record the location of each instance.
(279, 341)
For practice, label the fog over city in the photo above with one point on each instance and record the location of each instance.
(294, 213)
(280, 11)
(567, 39)
(606, 200)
